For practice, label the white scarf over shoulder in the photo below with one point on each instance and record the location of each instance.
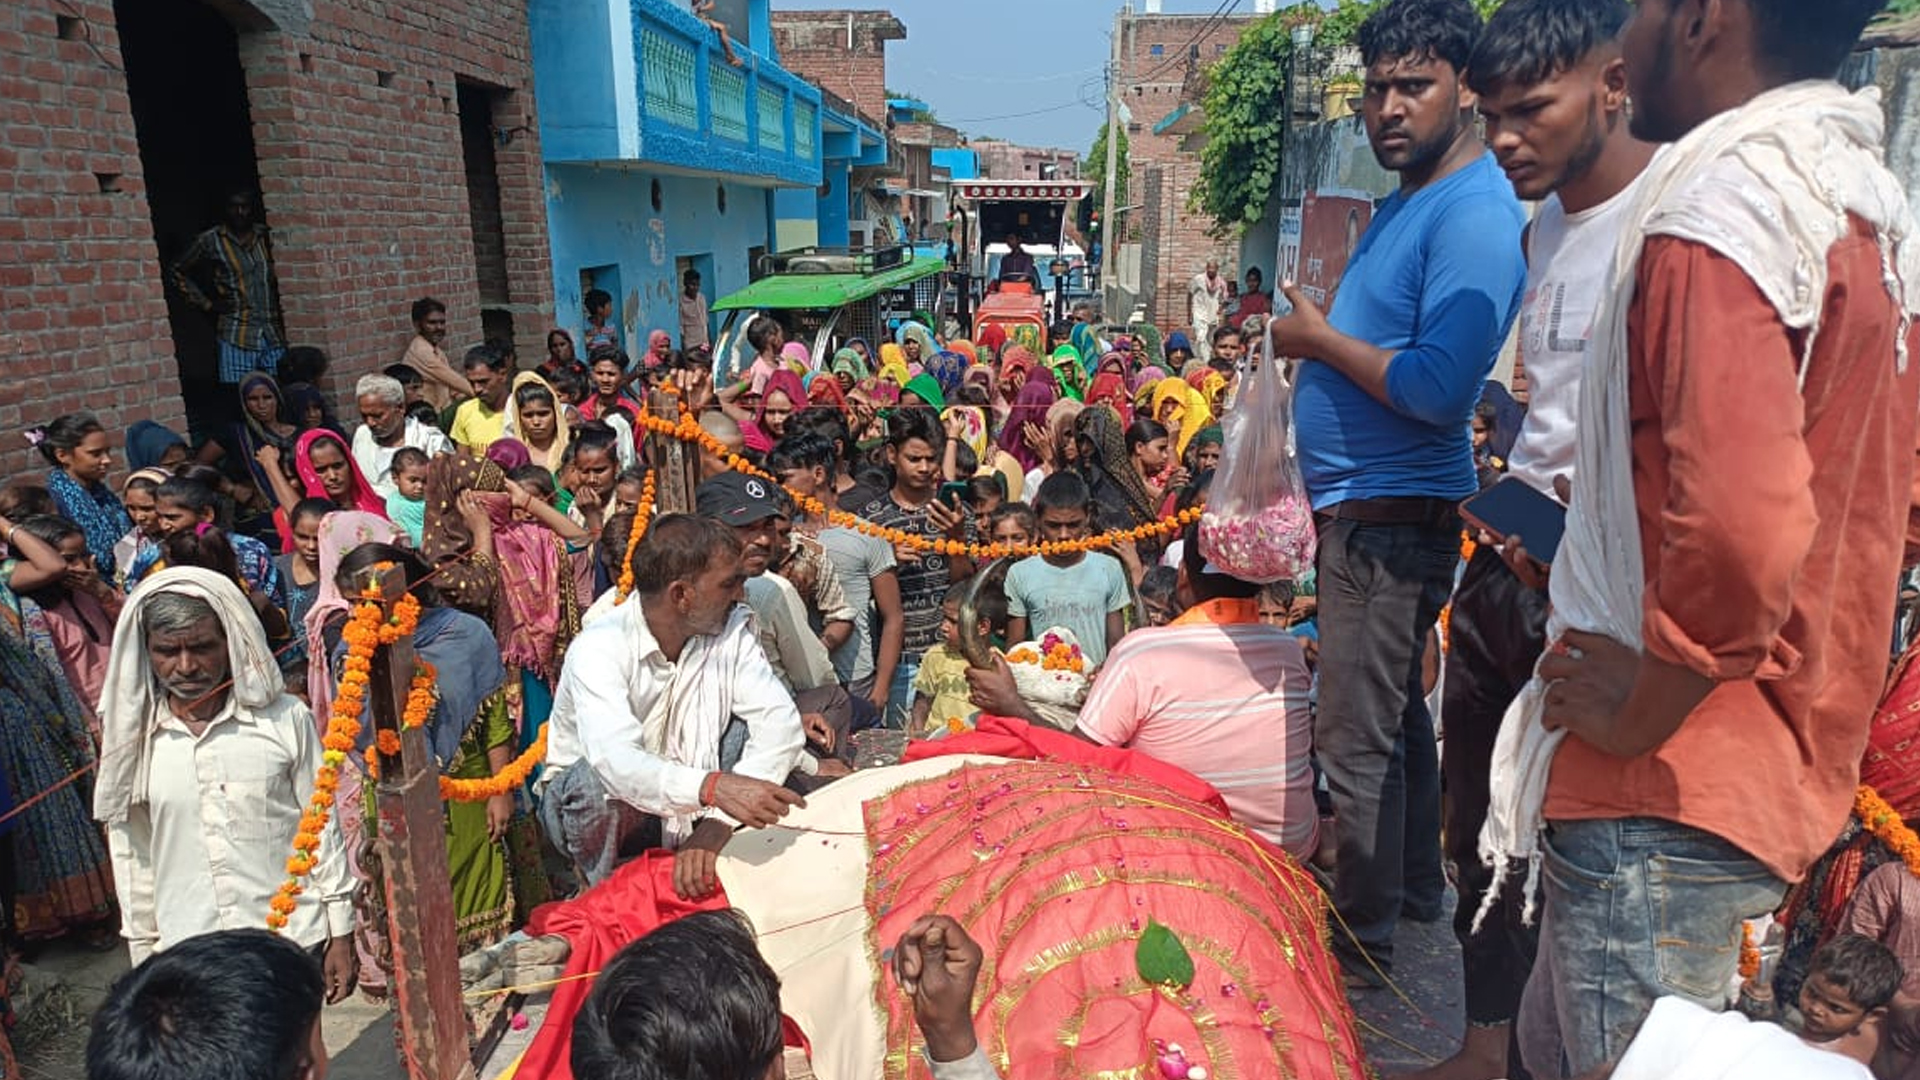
(132, 694)
(1769, 186)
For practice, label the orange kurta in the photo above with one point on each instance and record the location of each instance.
(1772, 522)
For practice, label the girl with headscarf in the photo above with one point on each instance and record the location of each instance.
(966, 350)
(1086, 342)
(949, 369)
(327, 471)
(796, 358)
(1110, 389)
(1028, 410)
(1069, 372)
(848, 367)
(1016, 366)
(893, 365)
(784, 396)
(1108, 468)
(923, 391)
(659, 350)
(533, 417)
(309, 409)
(151, 445)
(824, 392)
(1059, 450)
(136, 494)
(458, 538)
(866, 406)
(1114, 363)
(862, 349)
(1212, 387)
(1179, 350)
(968, 424)
(916, 341)
(1181, 408)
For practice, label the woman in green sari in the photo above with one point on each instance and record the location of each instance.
(470, 734)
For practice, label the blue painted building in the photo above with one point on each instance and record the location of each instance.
(661, 156)
(961, 162)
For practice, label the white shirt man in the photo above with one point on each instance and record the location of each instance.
(1206, 297)
(203, 789)
(387, 429)
(667, 708)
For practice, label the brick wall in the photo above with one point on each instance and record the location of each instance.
(1179, 242)
(357, 135)
(1151, 85)
(814, 45)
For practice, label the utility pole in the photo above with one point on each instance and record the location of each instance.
(1109, 251)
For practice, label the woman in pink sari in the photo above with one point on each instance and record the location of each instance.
(327, 471)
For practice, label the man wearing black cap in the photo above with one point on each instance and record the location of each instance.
(756, 510)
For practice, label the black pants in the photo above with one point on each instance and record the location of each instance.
(1381, 588)
(1498, 630)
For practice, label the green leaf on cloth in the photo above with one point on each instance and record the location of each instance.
(1160, 958)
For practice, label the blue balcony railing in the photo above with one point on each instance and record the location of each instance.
(645, 81)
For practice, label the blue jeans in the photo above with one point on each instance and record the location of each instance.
(900, 695)
(1381, 587)
(1635, 909)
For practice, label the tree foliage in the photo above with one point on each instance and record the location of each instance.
(1246, 108)
(1096, 167)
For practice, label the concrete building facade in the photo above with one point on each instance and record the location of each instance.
(393, 146)
(1002, 160)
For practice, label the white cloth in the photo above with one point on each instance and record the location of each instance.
(1567, 259)
(650, 727)
(376, 461)
(1769, 186)
(255, 765)
(799, 660)
(974, 1066)
(1682, 1041)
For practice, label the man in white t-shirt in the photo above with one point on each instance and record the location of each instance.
(386, 429)
(1553, 92)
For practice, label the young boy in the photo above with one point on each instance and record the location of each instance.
(1086, 592)
(407, 506)
(1847, 1006)
(942, 700)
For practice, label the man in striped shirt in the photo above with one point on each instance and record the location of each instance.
(1219, 694)
(227, 272)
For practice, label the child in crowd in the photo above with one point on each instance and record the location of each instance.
(942, 700)
(300, 575)
(986, 494)
(1158, 595)
(1847, 1006)
(1013, 523)
(409, 380)
(425, 413)
(137, 497)
(80, 610)
(407, 506)
(1086, 592)
(627, 489)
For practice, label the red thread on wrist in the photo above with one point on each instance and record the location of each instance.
(707, 788)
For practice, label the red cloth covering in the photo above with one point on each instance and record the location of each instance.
(599, 923)
(1004, 736)
(1056, 869)
(1892, 762)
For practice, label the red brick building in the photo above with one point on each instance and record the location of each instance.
(392, 145)
(1160, 56)
(842, 51)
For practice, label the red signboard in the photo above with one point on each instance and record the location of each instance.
(1330, 228)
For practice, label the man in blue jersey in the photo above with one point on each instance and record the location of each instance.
(1383, 402)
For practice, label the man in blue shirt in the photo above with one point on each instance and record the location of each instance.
(1383, 400)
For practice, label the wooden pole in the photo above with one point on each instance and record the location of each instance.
(433, 1034)
(677, 463)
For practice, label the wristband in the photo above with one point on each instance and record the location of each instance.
(707, 788)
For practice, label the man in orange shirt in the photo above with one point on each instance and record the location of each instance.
(1754, 358)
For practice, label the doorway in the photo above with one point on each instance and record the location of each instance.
(188, 95)
(702, 265)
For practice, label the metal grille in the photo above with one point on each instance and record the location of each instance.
(804, 115)
(773, 120)
(727, 90)
(667, 67)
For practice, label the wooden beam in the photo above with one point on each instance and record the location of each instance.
(676, 463)
(433, 1036)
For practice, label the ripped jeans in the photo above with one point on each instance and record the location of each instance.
(1635, 909)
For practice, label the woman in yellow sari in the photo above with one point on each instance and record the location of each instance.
(1182, 409)
(893, 365)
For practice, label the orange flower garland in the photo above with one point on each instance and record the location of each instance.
(1883, 821)
(642, 514)
(366, 630)
(1749, 954)
(505, 781)
(687, 429)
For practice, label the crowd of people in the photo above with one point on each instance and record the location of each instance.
(914, 534)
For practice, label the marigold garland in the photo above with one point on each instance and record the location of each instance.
(367, 629)
(688, 429)
(1883, 821)
(505, 782)
(1749, 954)
(642, 514)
